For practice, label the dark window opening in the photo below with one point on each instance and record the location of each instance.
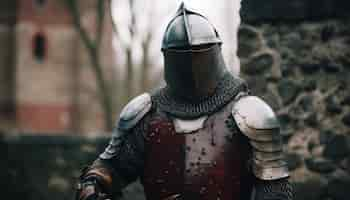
(40, 3)
(39, 49)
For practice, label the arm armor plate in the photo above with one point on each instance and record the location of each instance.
(258, 122)
(129, 117)
(120, 162)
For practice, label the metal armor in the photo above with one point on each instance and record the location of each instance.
(193, 62)
(201, 137)
(201, 159)
(214, 156)
(257, 121)
(119, 164)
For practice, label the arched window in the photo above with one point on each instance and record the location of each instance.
(39, 47)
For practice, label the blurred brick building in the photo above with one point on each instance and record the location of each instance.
(46, 84)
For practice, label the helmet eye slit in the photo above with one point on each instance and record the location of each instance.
(195, 48)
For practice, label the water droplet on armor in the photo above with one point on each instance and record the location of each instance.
(166, 172)
(152, 134)
(188, 148)
(171, 162)
(211, 182)
(202, 190)
(160, 181)
(203, 152)
(158, 141)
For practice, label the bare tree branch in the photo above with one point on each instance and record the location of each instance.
(100, 20)
(93, 45)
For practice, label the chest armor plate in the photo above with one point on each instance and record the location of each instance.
(207, 164)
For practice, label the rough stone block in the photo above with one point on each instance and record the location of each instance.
(250, 41)
(288, 90)
(258, 63)
(337, 148)
(276, 10)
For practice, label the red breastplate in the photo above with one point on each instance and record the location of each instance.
(208, 164)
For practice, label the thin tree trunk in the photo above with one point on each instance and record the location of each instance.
(145, 68)
(130, 74)
(93, 46)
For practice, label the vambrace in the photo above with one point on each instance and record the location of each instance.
(273, 190)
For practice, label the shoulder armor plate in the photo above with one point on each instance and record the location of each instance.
(256, 120)
(134, 111)
(254, 113)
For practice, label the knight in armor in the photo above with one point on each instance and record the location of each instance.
(203, 136)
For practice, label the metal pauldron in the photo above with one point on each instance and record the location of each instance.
(132, 113)
(257, 121)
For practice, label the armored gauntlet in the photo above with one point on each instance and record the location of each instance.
(95, 183)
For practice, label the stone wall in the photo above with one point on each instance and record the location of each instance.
(299, 62)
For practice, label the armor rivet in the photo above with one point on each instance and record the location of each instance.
(171, 162)
(194, 140)
(202, 190)
(211, 182)
(199, 158)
